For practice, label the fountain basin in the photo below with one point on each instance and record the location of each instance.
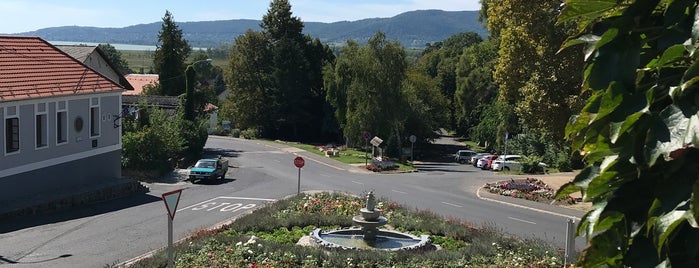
(353, 239)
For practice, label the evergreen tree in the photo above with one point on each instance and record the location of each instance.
(170, 56)
(296, 66)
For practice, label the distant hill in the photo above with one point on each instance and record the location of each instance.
(411, 29)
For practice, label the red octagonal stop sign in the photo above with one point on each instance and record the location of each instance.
(299, 162)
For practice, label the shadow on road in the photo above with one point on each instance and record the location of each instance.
(213, 182)
(22, 222)
(213, 152)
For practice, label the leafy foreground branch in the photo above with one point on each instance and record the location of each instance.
(267, 238)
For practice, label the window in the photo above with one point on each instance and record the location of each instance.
(94, 117)
(41, 126)
(11, 130)
(61, 122)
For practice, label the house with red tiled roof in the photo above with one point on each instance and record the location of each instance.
(139, 81)
(59, 122)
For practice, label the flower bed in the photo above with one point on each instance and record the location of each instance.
(530, 188)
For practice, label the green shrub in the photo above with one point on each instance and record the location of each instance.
(250, 133)
(235, 133)
(531, 164)
(155, 134)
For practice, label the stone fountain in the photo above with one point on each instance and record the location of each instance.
(369, 236)
(370, 219)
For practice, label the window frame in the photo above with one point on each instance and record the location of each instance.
(41, 109)
(62, 129)
(7, 116)
(95, 119)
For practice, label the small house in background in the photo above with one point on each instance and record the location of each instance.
(59, 123)
(140, 81)
(94, 57)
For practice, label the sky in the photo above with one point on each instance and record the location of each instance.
(29, 15)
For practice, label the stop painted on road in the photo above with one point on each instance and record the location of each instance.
(226, 204)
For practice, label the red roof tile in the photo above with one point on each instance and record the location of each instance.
(32, 68)
(138, 81)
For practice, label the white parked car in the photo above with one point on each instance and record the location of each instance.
(507, 163)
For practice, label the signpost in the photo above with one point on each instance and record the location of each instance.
(412, 146)
(367, 135)
(299, 163)
(171, 199)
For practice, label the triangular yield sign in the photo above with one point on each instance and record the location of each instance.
(172, 199)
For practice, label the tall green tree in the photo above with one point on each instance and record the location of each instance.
(114, 56)
(366, 88)
(427, 109)
(170, 56)
(475, 88)
(248, 76)
(440, 61)
(294, 98)
(541, 84)
(639, 132)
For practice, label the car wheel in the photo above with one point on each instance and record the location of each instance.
(506, 169)
(462, 161)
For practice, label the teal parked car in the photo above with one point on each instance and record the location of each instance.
(209, 169)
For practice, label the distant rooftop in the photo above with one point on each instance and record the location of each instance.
(138, 81)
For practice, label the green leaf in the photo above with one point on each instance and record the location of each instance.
(617, 129)
(611, 99)
(665, 225)
(603, 250)
(671, 55)
(580, 182)
(668, 133)
(695, 26)
(588, 222)
(610, 219)
(693, 213)
(585, 9)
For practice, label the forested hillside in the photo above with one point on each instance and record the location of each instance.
(411, 29)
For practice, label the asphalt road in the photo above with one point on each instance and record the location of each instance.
(117, 231)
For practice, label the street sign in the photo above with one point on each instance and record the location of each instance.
(367, 135)
(299, 162)
(413, 138)
(172, 199)
(376, 141)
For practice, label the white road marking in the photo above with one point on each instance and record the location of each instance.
(358, 182)
(453, 205)
(400, 192)
(226, 197)
(325, 175)
(530, 222)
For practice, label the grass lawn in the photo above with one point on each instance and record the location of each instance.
(267, 237)
(144, 59)
(347, 155)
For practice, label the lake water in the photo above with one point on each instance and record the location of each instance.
(117, 46)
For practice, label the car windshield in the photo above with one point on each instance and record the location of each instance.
(205, 164)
